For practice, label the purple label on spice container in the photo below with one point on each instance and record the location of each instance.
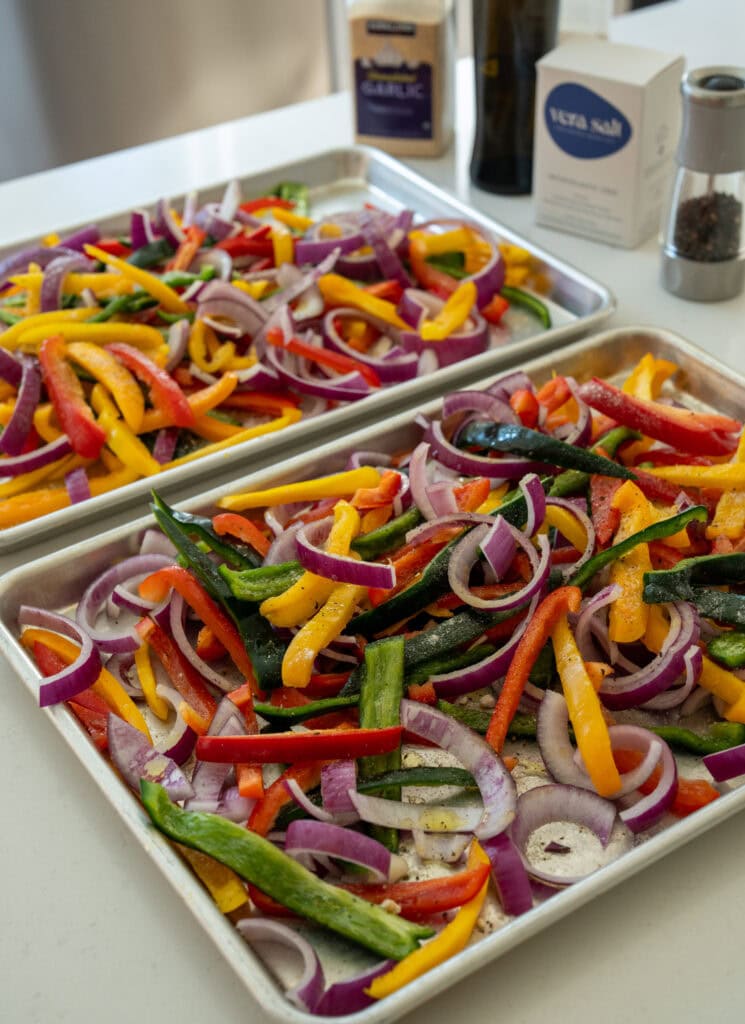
(583, 124)
(393, 102)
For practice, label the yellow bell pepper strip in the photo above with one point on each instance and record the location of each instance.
(44, 423)
(453, 314)
(213, 429)
(292, 220)
(628, 616)
(657, 629)
(335, 485)
(451, 940)
(145, 674)
(199, 337)
(200, 402)
(283, 245)
(725, 685)
(66, 394)
(104, 284)
(338, 291)
(430, 243)
(567, 525)
(27, 481)
(120, 439)
(116, 378)
(648, 376)
(585, 711)
(223, 885)
(727, 476)
(291, 416)
(107, 686)
(166, 296)
(164, 391)
(134, 334)
(729, 515)
(318, 632)
(304, 598)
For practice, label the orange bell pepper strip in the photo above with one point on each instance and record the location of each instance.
(248, 776)
(187, 250)
(156, 586)
(339, 291)
(495, 309)
(525, 404)
(536, 635)
(307, 774)
(376, 497)
(691, 794)
(181, 672)
(164, 391)
(628, 616)
(472, 495)
(238, 526)
(451, 940)
(107, 686)
(585, 711)
(115, 377)
(66, 394)
(261, 402)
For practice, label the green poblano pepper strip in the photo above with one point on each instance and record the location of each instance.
(387, 537)
(728, 649)
(262, 864)
(242, 556)
(686, 582)
(712, 604)
(380, 699)
(448, 663)
(518, 440)
(284, 718)
(519, 297)
(573, 481)
(657, 531)
(259, 584)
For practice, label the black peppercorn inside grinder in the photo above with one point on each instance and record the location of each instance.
(703, 245)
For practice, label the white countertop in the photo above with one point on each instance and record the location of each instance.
(89, 929)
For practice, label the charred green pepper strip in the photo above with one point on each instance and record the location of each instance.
(522, 727)
(380, 699)
(728, 649)
(285, 718)
(657, 531)
(682, 583)
(387, 537)
(518, 297)
(151, 254)
(242, 556)
(572, 481)
(257, 585)
(518, 440)
(191, 554)
(262, 864)
(447, 663)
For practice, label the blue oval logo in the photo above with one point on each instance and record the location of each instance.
(583, 124)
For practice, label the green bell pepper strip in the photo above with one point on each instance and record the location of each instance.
(182, 278)
(242, 556)
(380, 699)
(285, 718)
(9, 318)
(728, 649)
(257, 585)
(171, 318)
(447, 663)
(122, 304)
(657, 531)
(387, 537)
(151, 254)
(518, 297)
(296, 192)
(262, 864)
(681, 583)
(518, 440)
(721, 735)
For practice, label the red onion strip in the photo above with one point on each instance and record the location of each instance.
(75, 677)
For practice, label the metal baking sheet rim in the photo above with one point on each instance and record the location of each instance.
(299, 436)
(253, 973)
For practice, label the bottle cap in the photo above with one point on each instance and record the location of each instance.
(712, 139)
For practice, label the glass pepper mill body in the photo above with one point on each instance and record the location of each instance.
(703, 244)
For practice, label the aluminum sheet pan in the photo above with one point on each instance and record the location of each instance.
(343, 179)
(57, 581)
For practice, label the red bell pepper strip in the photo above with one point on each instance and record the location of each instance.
(88, 708)
(472, 494)
(114, 247)
(264, 202)
(532, 642)
(691, 794)
(238, 526)
(390, 290)
(156, 586)
(248, 776)
(255, 244)
(554, 393)
(324, 357)
(264, 814)
(365, 498)
(66, 394)
(699, 433)
(290, 747)
(525, 404)
(164, 390)
(208, 647)
(182, 674)
(417, 900)
(495, 309)
(605, 517)
(326, 684)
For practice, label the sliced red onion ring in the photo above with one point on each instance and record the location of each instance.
(136, 759)
(340, 568)
(156, 543)
(21, 420)
(586, 523)
(40, 254)
(165, 444)
(418, 481)
(179, 742)
(429, 529)
(97, 593)
(726, 764)
(446, 849)
(337, 778)
(465, 554)
(498, 546)
(176, 620)
(535, 500)
(557, 802)
(424, 817)
(552, 734)
(578, 433)
(233, 806)
(166, 223)
(209, 219)
(77, 676)
(490, 278)
(469, 340)
(295, 283)
(121, 667)
(77, 486)
(693, 660)
(10, 368)
(50, 296)
(510, 467)
(221, 299)
(648, 810)
(391, 267)
(348, 387)
(509, 874)
(306, 993)
(314, 250)
(231, 200)
(88, 235)
(14, 465)
(178, 338)
(347, 997)
(396, 365)
(479, 402)
(494, 781)
(328, 840)
(583, 628)
(508, 383)
(209, 778)
(141, 229)
(302, 799)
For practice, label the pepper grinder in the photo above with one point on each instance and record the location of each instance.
(703, 244)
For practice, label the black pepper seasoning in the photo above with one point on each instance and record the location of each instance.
(708, 227)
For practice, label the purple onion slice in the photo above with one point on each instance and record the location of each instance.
(77, 676)
(136, 759)
(306, 993)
